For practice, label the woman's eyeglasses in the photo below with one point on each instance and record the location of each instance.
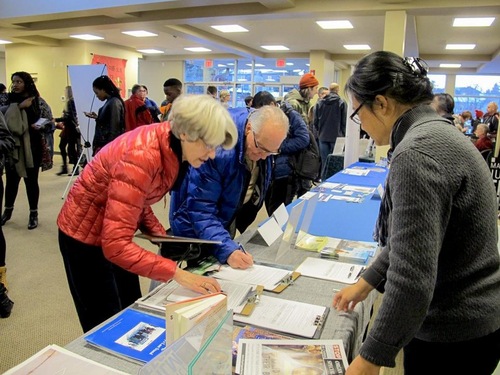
(354, 117)
(262, 148)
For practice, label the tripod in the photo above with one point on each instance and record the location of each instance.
(86, 145)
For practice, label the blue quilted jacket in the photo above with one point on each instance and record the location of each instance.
(207, 202)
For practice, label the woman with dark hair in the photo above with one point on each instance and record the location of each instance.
(110, 120)
(70, 145)
(441, 283)
(29, 119)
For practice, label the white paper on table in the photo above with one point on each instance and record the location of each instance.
(296, 318)
(325, 269)
(270, 277)
(356, 172)
(56, 360)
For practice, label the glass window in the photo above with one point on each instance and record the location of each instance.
(438, 82)
(475, 92)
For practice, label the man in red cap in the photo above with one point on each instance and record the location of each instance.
(300, 100)
(478, 120)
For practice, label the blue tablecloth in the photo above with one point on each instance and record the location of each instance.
(351, 221)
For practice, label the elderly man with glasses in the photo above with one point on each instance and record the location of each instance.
(226, 193)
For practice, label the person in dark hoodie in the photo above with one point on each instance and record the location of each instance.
(330, 116)
(444, 104)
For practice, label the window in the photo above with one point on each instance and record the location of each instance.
(475, 92)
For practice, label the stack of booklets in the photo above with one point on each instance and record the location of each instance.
(338, 249)
(257, 357)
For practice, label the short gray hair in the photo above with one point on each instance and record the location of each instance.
(268, 114)
(201, 117)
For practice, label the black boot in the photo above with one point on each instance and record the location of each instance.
(7, 214)
(33, 222)
(5, 303)
(75, 171)
(64, 170)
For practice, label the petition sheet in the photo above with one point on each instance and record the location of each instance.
(341, 272)
(296, 318)
(269, 277)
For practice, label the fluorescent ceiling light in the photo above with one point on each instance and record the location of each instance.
(473, 22)
(221, 66)
(150, 50)
(450, 65)
(357, 47)
(86, 37)
(275, 48)
(340, 24)
(139, 33)
(230, 28)
(460, 46)
(197, 49)
(289, 64)
(4, 41)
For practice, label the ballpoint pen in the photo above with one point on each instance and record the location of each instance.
(242, 248)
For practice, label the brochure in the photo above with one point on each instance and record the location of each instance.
(132, 334)
(257, 357)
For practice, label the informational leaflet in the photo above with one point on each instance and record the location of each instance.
(292, 317)
(257, 357)
(132, 334)
(325, 269)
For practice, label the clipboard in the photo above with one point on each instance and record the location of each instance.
(252, 300)
(169, 238)
(319, 322)
(285, 282)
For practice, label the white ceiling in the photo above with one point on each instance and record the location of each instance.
(186, 23)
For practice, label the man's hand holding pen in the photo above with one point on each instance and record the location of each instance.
(240, 259)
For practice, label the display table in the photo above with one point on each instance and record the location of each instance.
(333, 218)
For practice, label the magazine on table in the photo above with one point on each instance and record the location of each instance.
(257, 357)
(131, 334)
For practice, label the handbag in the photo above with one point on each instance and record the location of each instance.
(47, 162)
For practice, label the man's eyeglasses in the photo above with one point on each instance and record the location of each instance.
(259, 147)
(354, 117)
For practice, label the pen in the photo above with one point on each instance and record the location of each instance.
(242, 248)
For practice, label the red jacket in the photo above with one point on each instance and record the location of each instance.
(111, 198)
(136, 113)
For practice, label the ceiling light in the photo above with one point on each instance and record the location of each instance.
(275, 48)
(460, 46)
(340, 24)
(473, 22)
(450, 65)
(4, 41)
(86, 37)
(259, 65)
(139, 33)
(230, 28)
(197, 49)
(289, 64)
(357, 47)
(150, 50)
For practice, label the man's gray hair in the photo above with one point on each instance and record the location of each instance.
(268, 114)
(201, 117)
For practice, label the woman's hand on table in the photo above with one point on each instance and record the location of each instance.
(240, 259)
(347, 298)
(200, 284)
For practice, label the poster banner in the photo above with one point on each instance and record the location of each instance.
(116, 70)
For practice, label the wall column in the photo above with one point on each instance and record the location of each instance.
(323, 66)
